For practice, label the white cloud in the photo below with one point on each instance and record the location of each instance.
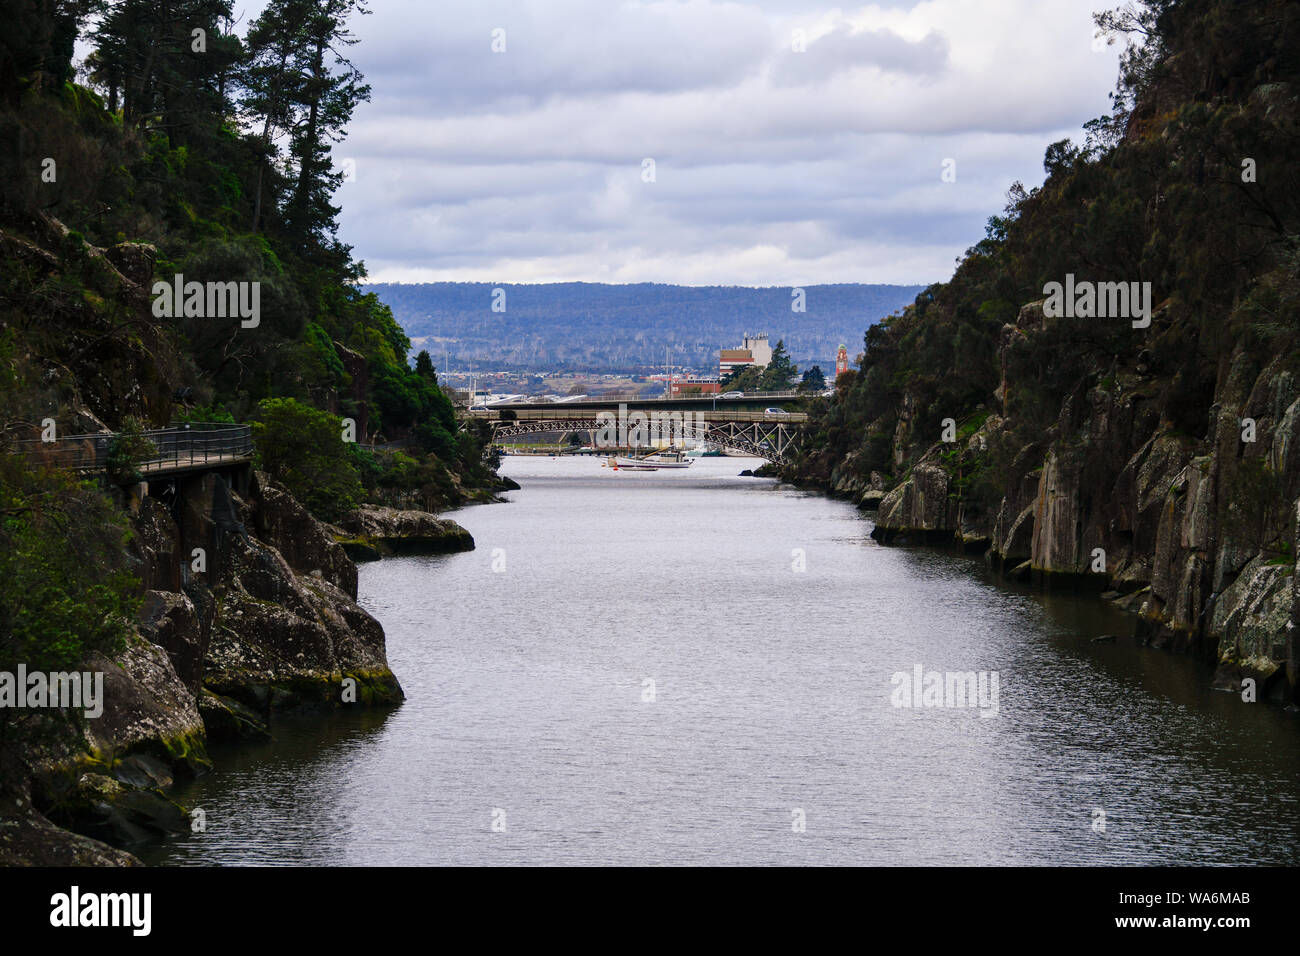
(772, 166)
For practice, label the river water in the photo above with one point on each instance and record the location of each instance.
(694, 667)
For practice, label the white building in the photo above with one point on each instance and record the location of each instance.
(754, 351)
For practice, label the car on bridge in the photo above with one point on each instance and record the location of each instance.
(732, 395)
(775, 411)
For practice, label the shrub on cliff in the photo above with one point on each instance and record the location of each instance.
(303, 449)
(215, 412)
(126, 451)
(65, 589)
(62, 594)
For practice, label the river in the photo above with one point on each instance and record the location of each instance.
(694, 667)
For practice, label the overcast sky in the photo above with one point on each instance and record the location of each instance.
(771, 166)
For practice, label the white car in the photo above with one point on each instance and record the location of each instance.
(731, 395)
(775, 411)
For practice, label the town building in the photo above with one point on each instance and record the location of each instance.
(693, 386)
(754, 351)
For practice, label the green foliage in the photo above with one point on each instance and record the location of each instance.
(424, 368)
(223, 161)
(65, 587)
(742, 379)
(1155, 193)
(127, 451)
(330, 362)
(779, 374)
(303, 449)
(215, 412)
(814, 380)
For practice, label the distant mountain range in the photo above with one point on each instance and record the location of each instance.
(584, 326)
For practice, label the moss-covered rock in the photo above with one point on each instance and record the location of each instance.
(286, 641)
(28, 838)
(227, 719)
(303, 542)
(391, 531)
(103, 808)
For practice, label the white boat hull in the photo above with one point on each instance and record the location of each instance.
(647, 464)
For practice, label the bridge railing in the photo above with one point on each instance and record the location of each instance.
(637, 398)
(180, 446)
(570, 413)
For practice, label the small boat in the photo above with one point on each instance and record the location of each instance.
(628, 464)
(656, 460)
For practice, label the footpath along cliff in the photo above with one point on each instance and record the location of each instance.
(211, 647)
(1158, 463)
(210, 598)
(271, 627)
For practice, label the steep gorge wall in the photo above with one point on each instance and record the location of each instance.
(1115, 498)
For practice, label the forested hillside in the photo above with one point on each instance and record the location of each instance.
(586, 326)
(194, 146)
(1161, 461)
(168, 255)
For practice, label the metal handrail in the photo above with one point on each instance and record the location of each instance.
(180, 446)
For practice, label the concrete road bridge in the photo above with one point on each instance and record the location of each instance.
(741, 424)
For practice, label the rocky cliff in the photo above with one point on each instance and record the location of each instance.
(210, 600)
(1144, 444)
(372, 532)
(266, 622)
(1198, 535)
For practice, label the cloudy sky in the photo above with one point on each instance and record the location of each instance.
(770, 166)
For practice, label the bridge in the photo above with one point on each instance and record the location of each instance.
(198, 446)
(733, 423)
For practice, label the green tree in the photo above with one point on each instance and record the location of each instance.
(780, 372)
(424, 368)
(329, 87)
(148, 51)
(271, 88)
(814, 380)
(331, 364)
(215, 412)
(126, 451)
(37, 44)
(303, 448)
(65, 588)
(744, 378)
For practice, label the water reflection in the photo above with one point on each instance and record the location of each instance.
(768, 703)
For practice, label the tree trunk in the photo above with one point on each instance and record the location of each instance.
(306, 167)
(266, 139)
